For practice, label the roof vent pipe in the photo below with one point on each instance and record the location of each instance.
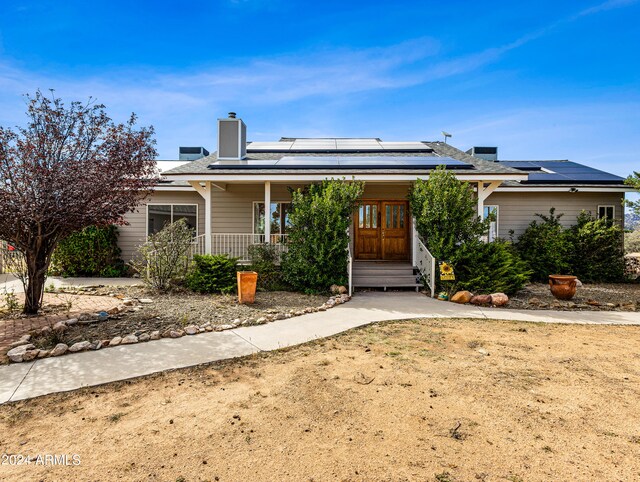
(232, 115)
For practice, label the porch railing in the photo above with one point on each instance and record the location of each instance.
(350, 269)
(198, 246)
(237, 245)
(426, 264)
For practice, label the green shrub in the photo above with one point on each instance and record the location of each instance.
(318, 238)
(597, 253)
(546, 247)
(263, 261)
(445, 210)
(213, 274)
(93, 251)
(489, 268)
(163, 260)
(632, 242)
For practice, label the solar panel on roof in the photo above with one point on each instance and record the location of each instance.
(345, 162)
(562, 172)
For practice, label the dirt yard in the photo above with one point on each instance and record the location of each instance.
(455, 400)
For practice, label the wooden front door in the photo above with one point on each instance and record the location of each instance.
(367, 241)
(395, 228)
(382, 230)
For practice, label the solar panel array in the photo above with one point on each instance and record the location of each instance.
(345, 162)
(562, 172)
(336, 145)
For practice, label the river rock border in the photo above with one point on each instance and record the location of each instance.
(23, 350)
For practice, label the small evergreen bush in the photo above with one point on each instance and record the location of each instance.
(597, 253)
(489, 268)
(163, 260)
(546, 247)
(263, 261)
(317, 243)
(213, 274)
(93, 251)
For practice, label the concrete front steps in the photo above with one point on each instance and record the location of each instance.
(384, 274)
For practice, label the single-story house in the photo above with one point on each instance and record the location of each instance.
(239, 195)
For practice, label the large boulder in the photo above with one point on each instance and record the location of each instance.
(462, 297)
(80, 346)
(59, 349)
(23, 353)
(499, 299)
(480, 300)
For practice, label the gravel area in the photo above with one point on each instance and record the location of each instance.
(589, 297)
(174, 311)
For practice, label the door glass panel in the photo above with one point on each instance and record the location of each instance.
(388, 217)
(402, 216)
(395, 216)
(374, 216)
(367, 222)
(361, 217)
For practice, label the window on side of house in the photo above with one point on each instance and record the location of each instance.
(278, 217)
(159, 215)
(607, 211)
(493, 227)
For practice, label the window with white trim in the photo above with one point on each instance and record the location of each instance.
(493, 226)
(607, 211)
(278, 216)
(159, 215)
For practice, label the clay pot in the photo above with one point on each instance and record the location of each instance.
(563, 287)
(247, 281)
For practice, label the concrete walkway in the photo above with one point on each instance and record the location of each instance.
(10, 283)
(69, 372)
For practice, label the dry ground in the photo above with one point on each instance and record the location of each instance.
(455, 400)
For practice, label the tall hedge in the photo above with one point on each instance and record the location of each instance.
(318, 238)
(93, 251)
(592, 249)
(446, 215)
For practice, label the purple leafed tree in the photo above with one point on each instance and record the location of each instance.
(69, 168)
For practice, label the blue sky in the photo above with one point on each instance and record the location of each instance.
(545, 80)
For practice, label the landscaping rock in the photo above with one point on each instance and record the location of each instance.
(334, 289)
(330, 303)
(462, 297)
(24, 340)
(59, 349)
(261, 320)
(342, 290)
(60, 327)
(96, 345)
(482, 351)
(115, 341)
(22, 353)
(155, 335)
(127, 302)
(43, 353)
(201, 330)
(105, 343)
(129, 339)
(479, 300)
(144, 337)
(535, 301)
(80, 346)
(499, 299)
(145, 301)
(191, 330)
(208, 328)
(280, 316)
(176, 334)
(45, 330)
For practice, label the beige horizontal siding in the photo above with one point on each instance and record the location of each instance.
(134, 234)
(518, 209)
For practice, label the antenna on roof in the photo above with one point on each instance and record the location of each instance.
(445, 134)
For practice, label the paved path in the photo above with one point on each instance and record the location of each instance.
(9, 282)
(69, 372)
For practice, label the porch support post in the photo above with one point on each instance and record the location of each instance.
(414, 241)
(207, 218)
(267, 211)
(205, 192)
(483, 193)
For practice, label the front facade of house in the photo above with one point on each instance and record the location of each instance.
(239, 195)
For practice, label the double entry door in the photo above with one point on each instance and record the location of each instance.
(382, 230)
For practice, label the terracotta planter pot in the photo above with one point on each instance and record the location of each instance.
(247, 281)
(563, 287)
